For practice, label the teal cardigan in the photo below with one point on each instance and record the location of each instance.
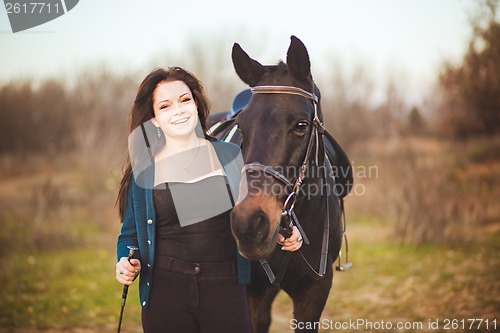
(139, 218)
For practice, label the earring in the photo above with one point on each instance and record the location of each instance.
(159, 133)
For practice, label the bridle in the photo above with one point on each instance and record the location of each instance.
(314, 138)
(288, 216)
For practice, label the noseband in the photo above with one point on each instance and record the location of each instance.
(289, 218)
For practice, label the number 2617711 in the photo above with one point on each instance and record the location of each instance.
(469, 324)
(32, 8)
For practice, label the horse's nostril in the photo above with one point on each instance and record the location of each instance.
(260, 225)
(255, 226)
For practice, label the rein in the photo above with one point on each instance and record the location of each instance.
(288, 216)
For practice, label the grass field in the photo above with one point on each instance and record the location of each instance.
(74, 290)
(57, 254)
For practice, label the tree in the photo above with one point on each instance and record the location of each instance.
(471, 90)
(415, 122)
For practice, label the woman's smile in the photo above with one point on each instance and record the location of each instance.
(180, 121)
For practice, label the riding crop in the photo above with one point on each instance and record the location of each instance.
(131, 251)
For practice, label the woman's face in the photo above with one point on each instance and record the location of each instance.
(175, 110)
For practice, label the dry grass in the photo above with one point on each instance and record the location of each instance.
(433, 191)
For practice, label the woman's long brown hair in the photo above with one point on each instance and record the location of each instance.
(142, 111)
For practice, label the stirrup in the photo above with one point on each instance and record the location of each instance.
(342, 267)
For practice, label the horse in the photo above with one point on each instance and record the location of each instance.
(290, 163)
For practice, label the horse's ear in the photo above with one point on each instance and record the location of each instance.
(297, 59)
(248, 70)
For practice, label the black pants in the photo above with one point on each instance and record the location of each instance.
(195, 298)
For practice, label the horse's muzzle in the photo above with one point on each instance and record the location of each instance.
(254, 223)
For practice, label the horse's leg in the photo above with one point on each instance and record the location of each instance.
(309, 300)
(259, 303)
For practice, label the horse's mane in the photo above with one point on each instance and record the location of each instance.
(281, 68)
(278, 70)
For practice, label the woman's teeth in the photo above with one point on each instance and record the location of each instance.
(180, 121)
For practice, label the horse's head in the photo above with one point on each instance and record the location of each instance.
(276, 128)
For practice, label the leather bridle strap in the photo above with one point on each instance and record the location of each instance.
(284, 90)
(255, 166)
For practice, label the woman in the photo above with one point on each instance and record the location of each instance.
(175, 197)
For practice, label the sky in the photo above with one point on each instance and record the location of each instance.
(409, 39)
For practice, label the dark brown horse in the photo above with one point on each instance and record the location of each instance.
(290, 167)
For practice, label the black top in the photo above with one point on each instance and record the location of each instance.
(193, 238)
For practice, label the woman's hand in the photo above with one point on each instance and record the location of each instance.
(126, 271)
(292, 243)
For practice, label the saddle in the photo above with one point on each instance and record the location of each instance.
(341, 166)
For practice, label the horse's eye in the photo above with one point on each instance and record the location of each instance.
(301, 127)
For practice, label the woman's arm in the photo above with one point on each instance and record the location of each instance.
(127, 271)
